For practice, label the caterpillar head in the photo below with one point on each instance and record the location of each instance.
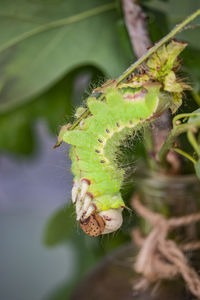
(102, 223)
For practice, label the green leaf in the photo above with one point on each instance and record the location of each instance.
(60, 227)
(124, 38)
(45, 39)
(54, 106)
(16, 132)
(197, 168)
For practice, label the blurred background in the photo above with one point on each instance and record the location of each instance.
(52, 54)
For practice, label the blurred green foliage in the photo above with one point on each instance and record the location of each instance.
(197, 168)
(45, 46)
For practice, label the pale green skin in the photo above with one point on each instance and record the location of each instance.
(119, 117)
(124, 108)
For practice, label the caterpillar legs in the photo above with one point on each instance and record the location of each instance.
(92, 222)
(82, 199)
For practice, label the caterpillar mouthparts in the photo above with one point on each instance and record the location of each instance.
(93, 226)
(102, 223)
(95, 141)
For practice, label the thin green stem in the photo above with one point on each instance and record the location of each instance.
(193, 142)
(170, 140)
(184, 115)
(62, 22)
(170, 35)
(185, 154)
(84, 115)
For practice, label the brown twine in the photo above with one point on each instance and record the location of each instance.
(160, 258)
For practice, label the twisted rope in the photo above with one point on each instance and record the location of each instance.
(160, 258)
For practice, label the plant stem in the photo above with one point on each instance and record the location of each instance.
(150, 148)
(193, 142)
(136, 24)
(176, 131)
(84, 115)
(184, 115)
(185, 154)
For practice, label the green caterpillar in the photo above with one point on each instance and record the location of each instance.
(126, 107)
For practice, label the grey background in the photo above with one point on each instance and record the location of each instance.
(30, 190)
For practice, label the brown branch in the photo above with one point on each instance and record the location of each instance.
(136, 24)
(135, 20)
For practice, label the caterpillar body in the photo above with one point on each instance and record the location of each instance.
(126, 108)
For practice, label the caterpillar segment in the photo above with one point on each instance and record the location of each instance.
(126, 108)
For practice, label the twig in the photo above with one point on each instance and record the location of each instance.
(185, 154)
(157, 133)
(135, 20)
(136, 25)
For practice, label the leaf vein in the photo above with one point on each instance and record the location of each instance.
(59, 23)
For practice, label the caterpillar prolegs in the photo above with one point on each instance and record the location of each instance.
(125, 107)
